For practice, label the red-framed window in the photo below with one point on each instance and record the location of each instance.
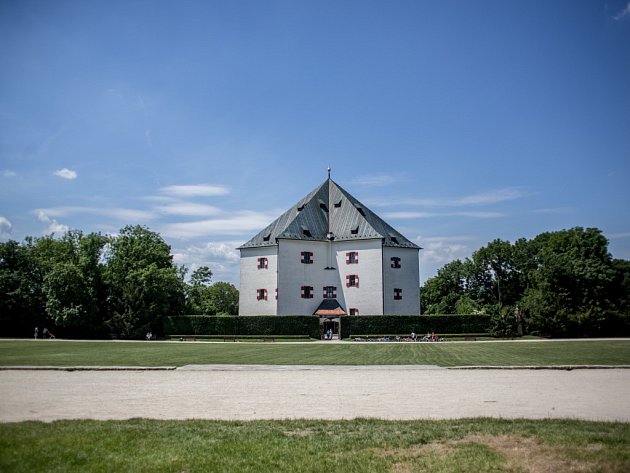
(261, 294)
(395, 262)
(276, 293)
(397, 294)
(330, 292)
(352, 257)
(307, 257)
(263, 263)
(307, 292)
(354, 311)
(352, 280)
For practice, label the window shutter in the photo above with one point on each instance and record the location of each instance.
(276, 293)
(356, 257)
(302, 292)
(265, 293)
(356, 280)
(347, 280)
(348, 258)
(266, 263)
(334, 292)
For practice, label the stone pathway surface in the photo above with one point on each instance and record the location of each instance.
(321, 392)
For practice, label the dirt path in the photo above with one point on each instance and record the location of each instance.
(242, 392)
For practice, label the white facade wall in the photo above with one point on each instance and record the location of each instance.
(253, 279)
(293, 275)
(407, 278)
(368, 296)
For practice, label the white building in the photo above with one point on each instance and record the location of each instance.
(329, 255)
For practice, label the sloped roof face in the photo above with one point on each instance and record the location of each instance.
(329, 208)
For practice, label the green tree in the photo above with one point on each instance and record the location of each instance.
(73, 284)
(224, 298)
(199, 301)
(144, 283)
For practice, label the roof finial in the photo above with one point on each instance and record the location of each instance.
(329, 169)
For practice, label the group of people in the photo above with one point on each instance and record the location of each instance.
(148, 336)
(45, 333)
(328, 334)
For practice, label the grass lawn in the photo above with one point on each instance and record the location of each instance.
(479, 445)
(65, 353)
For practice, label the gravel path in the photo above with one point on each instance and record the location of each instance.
(278, 392)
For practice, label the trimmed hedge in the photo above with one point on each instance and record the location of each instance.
(309, 324)
(420, 324)
(250, 325)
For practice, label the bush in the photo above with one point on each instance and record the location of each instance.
(420, 324)
(250, 325)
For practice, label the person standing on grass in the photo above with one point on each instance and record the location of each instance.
(36, 332)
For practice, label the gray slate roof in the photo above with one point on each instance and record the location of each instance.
(329, 208)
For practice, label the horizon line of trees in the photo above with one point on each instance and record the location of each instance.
(96, 286)
(562, 283)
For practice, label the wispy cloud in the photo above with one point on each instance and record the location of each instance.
(484, 198)
(623, 13)
(5, 228)
(188, 208)
(242, 222)
(66, 173)
(414, 215)
(374, 180)
(195, 190)
(8, 173)
(126, 215)
(619, 235)
(52, 226)
(554, 210)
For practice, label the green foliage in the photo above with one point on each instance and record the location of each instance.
(420, 324)
(565, 283)
(250, 325)
(202, 298)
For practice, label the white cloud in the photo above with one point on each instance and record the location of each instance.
(8, 173)
(66, 173)
(623, 13)
(374, 180)
(195, 190)
(52, 226)
(407, 215)
(412, 215)
(484, 198)
(554, 210)
(619, 235)
(221, 257)
(127, 215)
(188, 208)
(237, 223)
(5, 228)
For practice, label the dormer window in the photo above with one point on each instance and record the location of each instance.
(267, 237)
(301, 207)
(306, 232)
(355, 230)
(338, 204)
(394, 240)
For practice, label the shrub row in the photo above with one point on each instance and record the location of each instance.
(309, 325)
(420, 324)
(250, 325)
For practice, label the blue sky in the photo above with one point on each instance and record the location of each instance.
(458, 122)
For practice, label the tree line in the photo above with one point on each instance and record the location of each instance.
(91, 285)
(562, 283)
